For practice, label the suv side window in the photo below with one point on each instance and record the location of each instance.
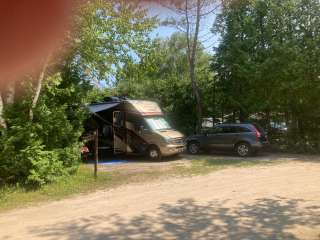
(241, 129)
(229, 129)
(215, 130)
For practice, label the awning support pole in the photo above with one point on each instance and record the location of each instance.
(96, 135)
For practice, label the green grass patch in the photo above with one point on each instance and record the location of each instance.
(207, 164)
(84, 182)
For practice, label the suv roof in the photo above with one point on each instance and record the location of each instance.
(235, 124)
(251, 126)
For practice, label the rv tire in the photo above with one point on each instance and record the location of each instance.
(154, 153)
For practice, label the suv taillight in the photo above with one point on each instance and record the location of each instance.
(258, 134)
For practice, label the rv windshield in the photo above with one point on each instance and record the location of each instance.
(157, 123)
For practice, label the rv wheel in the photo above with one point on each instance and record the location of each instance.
(154, 153)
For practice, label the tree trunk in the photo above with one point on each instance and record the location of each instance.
(10, 93)
(38, 89)
(268, 120)
(192, 49)
(2, 120)
(243, 115)
(222, 116)
(234, 116)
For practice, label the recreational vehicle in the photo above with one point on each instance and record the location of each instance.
(135, 126)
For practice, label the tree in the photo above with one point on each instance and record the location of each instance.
(2, 119)
(111, 33)
(38, 87)
(163, 76)
(45, 121)
(190, 14)
(267, 65)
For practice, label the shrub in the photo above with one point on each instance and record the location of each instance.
(45, 166)
(24, 158)
(40, 151)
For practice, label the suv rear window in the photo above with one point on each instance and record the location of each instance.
(230, 129)
(234, 129)
(257, 126)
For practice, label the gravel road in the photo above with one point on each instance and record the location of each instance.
(263, 202)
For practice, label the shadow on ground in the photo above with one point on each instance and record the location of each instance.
(213, 155)
(186, 219)
(134, 159)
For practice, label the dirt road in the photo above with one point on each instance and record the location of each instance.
(263, 202)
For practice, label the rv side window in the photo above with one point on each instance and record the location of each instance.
(106, 130)
(119, 119)
(138, 122)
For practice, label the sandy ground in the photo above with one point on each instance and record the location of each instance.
(263, 202)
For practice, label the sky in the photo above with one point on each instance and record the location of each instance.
(208, 39)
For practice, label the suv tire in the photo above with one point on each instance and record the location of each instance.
(193, 147)
(243, 149)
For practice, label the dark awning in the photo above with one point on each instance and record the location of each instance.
(94, 108)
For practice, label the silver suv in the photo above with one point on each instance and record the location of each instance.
(244, 139)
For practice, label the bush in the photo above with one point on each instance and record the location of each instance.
(45, 166)
(71, 157)
(46, 148)
(24, 158)
(14, 164)
(39, 151)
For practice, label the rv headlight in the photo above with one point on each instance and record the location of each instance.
(168, 140)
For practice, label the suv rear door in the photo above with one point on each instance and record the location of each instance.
(244, 133)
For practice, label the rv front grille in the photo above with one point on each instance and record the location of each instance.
(177, 141)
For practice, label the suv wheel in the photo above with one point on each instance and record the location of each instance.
(154, 153)
(243, 149)
(193, 147)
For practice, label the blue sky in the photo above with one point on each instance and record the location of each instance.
(209, 40)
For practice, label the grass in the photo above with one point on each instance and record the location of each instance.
(83, 181)
(207, 164)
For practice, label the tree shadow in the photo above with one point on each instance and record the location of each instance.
(187, 219)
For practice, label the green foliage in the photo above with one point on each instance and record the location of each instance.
(45, 165)
(46, 148)
(14, 164)
(162, 75)
(112, 32)
(267, 63)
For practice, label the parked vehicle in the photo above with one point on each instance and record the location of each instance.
(135, 126)
(244, 139)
